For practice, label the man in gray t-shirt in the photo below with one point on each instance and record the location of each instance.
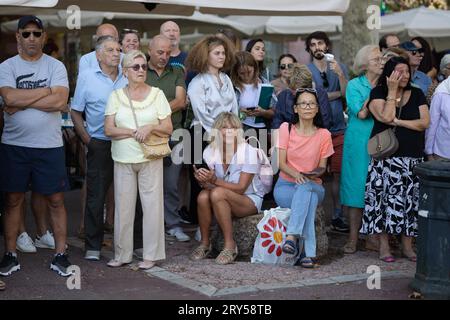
(35, 90)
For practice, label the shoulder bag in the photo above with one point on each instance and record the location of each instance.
(154, 147)
(383, 144)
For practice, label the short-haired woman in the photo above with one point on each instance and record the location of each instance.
(303, 149)
(146, 105)
(129, 40)
(231, 185)
(392, 189)
(355, 159)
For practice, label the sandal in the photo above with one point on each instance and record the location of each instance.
(290, 247)
(388, 259)
(307, 263)
(350, 247)
(227, 256)
(201, 252)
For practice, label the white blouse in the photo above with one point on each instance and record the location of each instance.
(208, 99)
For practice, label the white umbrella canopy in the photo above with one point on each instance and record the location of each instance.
(419, 22)
(187, 7)
(95, 18)
(290, 25)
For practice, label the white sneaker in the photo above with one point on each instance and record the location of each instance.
(25, 244)
(46, 241)
(198, 235)
(178, 234)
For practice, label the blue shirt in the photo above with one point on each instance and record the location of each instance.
(91, 96)
(421, 81)
(178, 61)
(284, 110)
(337, 110)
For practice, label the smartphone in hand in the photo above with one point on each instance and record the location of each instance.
(314, 172)
(251, 109)
(201, 165)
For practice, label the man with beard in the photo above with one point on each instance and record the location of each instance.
(332, 76)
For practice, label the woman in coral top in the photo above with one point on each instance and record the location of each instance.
(303, 150)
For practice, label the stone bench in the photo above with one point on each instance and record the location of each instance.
(245, 233)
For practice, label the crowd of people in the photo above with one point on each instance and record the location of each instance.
(124, 96)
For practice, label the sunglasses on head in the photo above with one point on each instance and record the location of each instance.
(286, 66)
(136, 67)
(323, 75)
(36, 34)
(130, 31)
(311, 90)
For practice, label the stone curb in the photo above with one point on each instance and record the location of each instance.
(212, 291)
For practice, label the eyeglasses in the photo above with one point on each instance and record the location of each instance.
(136, 67)
(378, 60)
(306, 105)
(36, 34)
(323, 75)
(286, 66)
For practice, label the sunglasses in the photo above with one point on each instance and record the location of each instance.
(136, 67)
(36, 34)
(418, 51)
(130, 31)
(323, 75)
(311, 90)
(286, 66)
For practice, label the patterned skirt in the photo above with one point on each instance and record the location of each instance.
(392, 197)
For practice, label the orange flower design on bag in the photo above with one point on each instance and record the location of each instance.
(274, 235)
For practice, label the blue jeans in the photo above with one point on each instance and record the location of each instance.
(303, 200)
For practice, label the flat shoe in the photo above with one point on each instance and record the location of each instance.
(115, 263)
(145, 265)
(350, 247)
(388, 259)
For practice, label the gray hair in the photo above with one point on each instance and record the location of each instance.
(102, 40)
(444, 62)
(129, 57)
(362, 59)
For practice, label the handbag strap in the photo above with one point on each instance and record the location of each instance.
(131, 105)
(399, 114)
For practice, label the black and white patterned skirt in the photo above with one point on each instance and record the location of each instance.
(392, 197)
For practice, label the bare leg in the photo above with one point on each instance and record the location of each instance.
(204, 213)
(22, 228)
(14, 211)
(385, 251)
(407, 248)
(227, 204)
(355, 217)
(58, 216)
(40, 211)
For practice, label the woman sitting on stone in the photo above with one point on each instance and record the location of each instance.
(303, 149)
(231, 185)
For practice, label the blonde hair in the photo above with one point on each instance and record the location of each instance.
(223, 119)
(129, 57)
(362, 59)
(301, 77)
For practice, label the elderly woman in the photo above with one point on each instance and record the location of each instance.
(285, 64)
(301, 77)
(303, 148)
(133, 114)
(244, 76)
(355, 159)
(437, 139)
(211, 92)
(392, 189)
(231, 185)
(129, 40)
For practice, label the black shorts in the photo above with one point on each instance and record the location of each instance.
(37, 169)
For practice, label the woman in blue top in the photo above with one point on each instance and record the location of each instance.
(355, 160)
